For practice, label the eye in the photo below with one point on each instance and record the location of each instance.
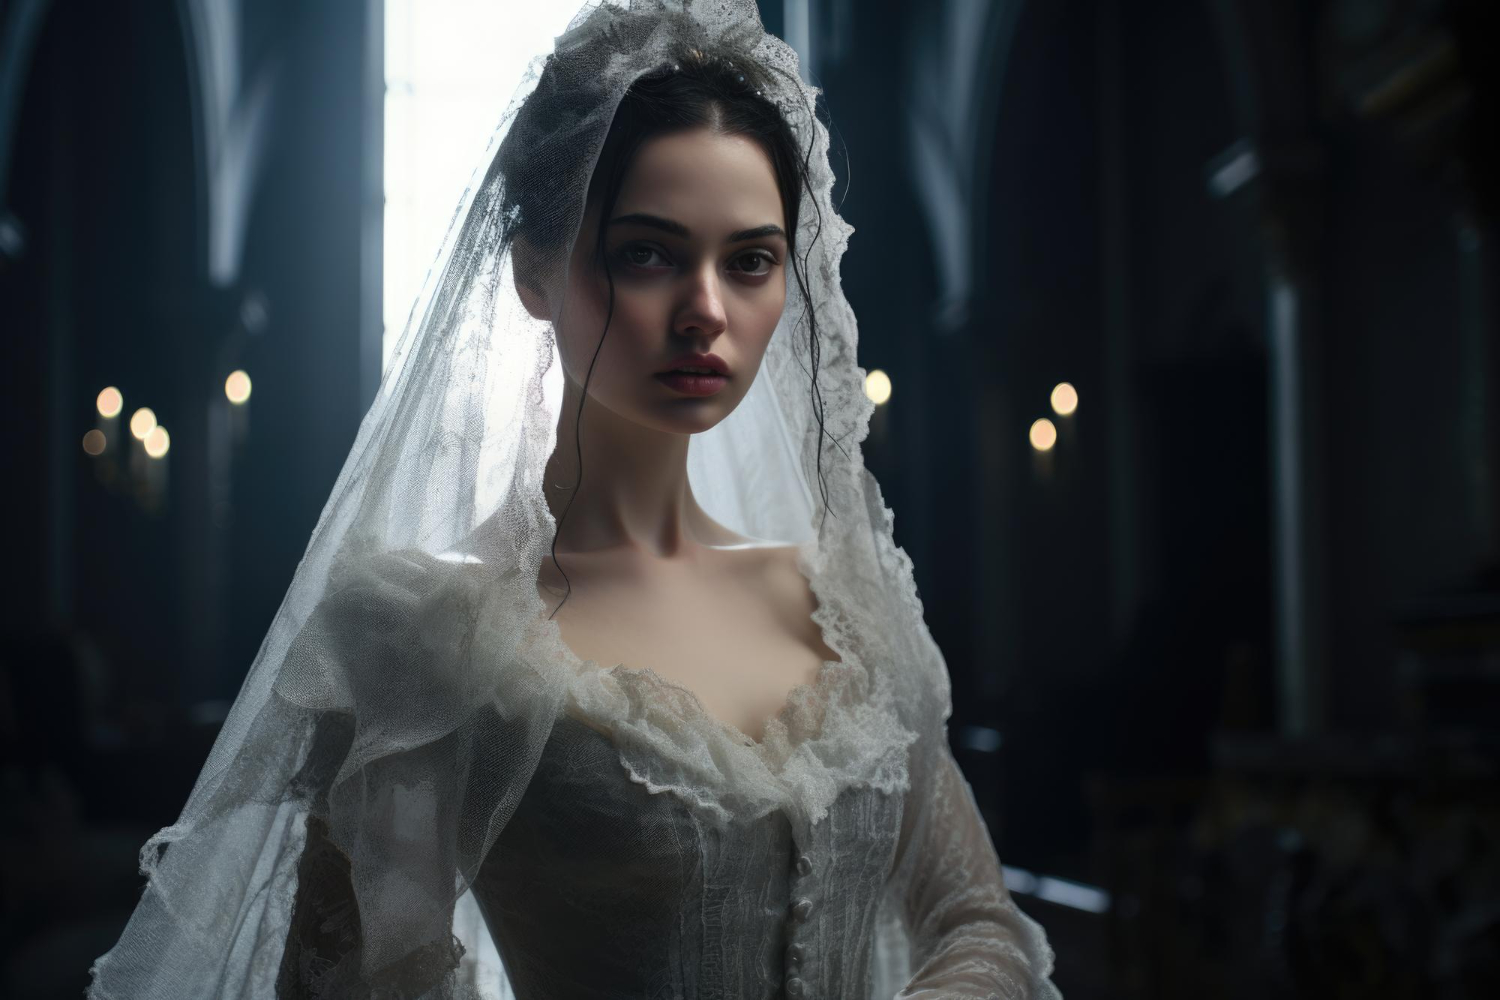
(641, 255)
(756, 263)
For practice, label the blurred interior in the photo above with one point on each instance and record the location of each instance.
(1186, 312)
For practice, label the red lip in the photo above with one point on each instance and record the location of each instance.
(710, 361)
(693, 385)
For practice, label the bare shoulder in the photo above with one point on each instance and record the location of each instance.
(775, 571)
(782, 568)
(792, 597)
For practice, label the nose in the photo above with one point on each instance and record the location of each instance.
(701, 311)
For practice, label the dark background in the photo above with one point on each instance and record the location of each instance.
(1226, 663)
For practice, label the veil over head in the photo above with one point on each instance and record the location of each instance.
(403, 695)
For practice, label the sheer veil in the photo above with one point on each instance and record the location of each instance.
(401, 699)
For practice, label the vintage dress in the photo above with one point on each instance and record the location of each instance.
(657, 852)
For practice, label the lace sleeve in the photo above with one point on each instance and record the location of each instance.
(422, 744)
(968, 938)
(322, 944)
(360, 636)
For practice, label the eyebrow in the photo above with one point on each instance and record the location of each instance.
(678, 229)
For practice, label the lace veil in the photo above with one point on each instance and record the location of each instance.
(408, 746)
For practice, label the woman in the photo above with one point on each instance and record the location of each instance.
(602, 635)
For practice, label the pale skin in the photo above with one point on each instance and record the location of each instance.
(696, 245)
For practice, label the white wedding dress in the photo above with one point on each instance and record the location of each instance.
(658, 852)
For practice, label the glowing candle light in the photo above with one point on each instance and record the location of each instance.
(237, 387)
(878, 389)
(110, 402)
(158, 442)
(141, 422)
(1064, 399)
(1043, 437)
(237, 391)
(1043, 434)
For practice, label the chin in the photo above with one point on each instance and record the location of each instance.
(706, 421)
(687, 419)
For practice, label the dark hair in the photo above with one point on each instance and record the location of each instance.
(698, 89)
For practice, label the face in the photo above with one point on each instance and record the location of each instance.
(696, 246)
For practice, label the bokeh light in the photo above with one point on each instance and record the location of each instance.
(1064, 399)
(237, 387)
(93, 442)
(158, 441)
(1043, 435)
(878, 386)
(141, 422)
(110, 402)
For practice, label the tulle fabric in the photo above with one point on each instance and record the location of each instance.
(396, 713)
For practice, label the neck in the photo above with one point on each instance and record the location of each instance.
(633, 492)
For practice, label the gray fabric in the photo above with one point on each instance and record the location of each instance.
(672, 904)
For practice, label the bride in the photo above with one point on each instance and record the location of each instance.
(602, 675)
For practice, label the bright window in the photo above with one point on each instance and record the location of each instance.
(451, 69)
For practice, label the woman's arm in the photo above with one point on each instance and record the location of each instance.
(968, 938)
(323, 940)
(363, 656)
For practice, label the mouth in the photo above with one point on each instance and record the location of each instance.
(693, 382)
(697, 364)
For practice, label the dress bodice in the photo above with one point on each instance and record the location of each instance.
(599, 887)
